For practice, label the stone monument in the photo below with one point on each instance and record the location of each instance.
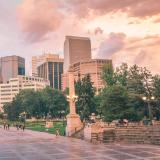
(73, 120)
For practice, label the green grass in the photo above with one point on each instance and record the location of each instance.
(40, 127)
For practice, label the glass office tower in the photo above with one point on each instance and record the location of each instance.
(53, 72)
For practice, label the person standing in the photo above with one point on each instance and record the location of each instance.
(23, 127)
(17, 126)
(8, 125)
(4, 125)
(57, 132)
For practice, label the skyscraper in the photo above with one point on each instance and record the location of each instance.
(37, 60)
(52, 70)
(76, 49)
(11, 67)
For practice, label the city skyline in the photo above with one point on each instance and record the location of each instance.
(128, 31)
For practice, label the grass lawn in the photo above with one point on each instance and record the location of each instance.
(40, 126)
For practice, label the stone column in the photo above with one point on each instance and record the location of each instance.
(72, 100)
(73, 120)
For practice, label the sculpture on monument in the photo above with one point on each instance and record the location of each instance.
(73, 119)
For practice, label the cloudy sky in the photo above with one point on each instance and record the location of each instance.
(124, 30)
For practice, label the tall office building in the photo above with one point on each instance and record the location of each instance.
(11, 67)
(92, 67)
(76, 49)
(9, 90)
(37, 60)
(52, 70)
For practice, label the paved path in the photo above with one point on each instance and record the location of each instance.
(28, 145)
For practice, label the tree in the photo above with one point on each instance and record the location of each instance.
(108, 75)
(147, 82)
(114, 100)
(97, 102)
(156, 86)
(135, 81)
(117, 104)
(156, 93)
(122, 74)
(25, 101)
(37, 104)
(55, 102)
(10, 112)
(86, 93)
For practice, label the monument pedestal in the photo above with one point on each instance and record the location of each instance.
(49, 124)
(74, 124)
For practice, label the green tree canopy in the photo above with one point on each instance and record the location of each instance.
(37, 104)
(117, 104)
(108, 75)
(134, 82)
(86, 93)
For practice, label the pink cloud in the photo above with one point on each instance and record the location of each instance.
(134, 8)
(112, 44)
(37, 18)
(98, 30)
(142, 51)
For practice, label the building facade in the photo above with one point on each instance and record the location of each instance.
(76, 49)
(9, 90)
(38, 60)
(92, 67)
(11, 67)
(53, 72)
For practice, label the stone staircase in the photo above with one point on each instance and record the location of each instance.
(79, 134)
(109, 136)
(133, 134)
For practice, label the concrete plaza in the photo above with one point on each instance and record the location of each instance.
(29, 145)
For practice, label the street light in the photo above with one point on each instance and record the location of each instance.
(149, 100)
(74, 98)
(152, 98)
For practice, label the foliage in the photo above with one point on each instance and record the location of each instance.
(122, 96)
(37, 104)
(85, 93)
(108, 75)
(156, 93)
(135, 80)
(122, 74)
(117, 104)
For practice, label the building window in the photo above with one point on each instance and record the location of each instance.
(50, 73)
(21, 70)
(56, 75)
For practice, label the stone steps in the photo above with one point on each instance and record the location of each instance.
(79, 134)
(138, 135)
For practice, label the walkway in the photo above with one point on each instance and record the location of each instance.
(29, 145)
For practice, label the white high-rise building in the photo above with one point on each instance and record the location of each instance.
(9, 90)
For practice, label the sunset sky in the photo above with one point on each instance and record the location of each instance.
(124, 30)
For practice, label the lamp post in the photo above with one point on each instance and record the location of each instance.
(149, 100)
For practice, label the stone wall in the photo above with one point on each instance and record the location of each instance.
(133, 134)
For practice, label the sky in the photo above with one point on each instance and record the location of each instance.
(127, 31)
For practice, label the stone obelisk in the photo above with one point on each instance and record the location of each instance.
(73, 120)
